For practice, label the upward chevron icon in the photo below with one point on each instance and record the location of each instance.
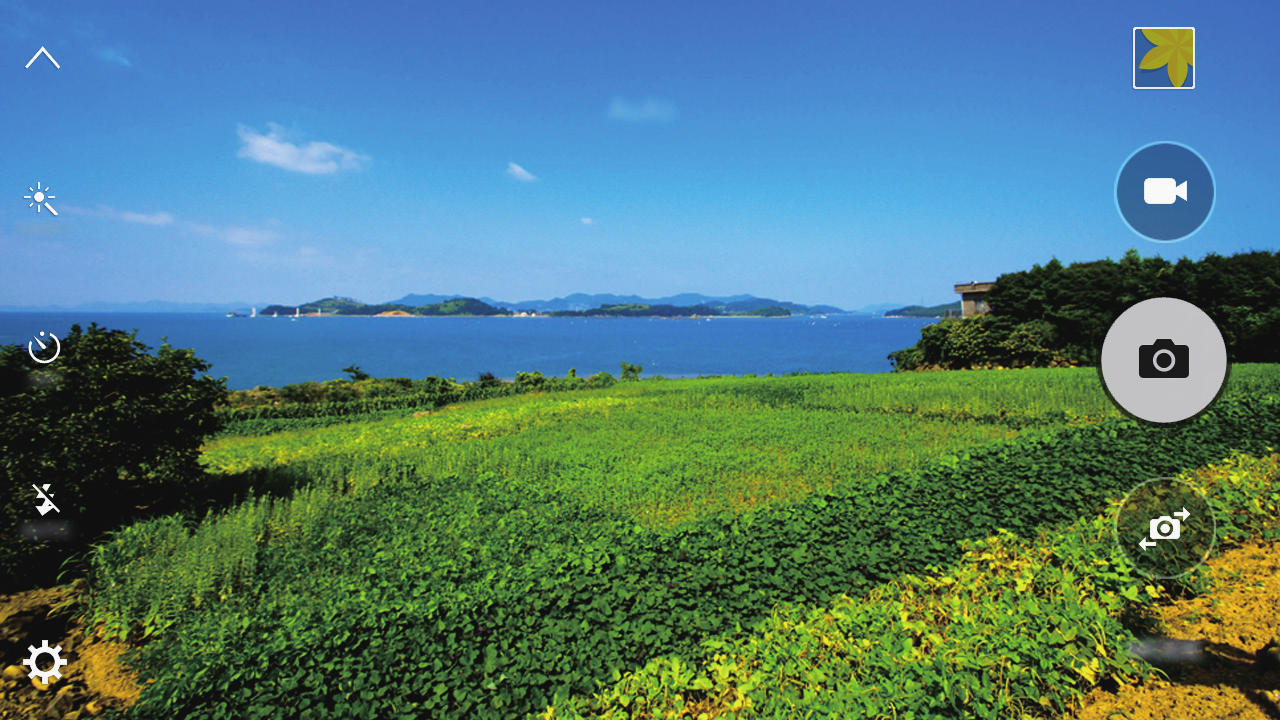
(46, 54)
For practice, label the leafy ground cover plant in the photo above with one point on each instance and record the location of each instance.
(404, 593)
(1017, 628)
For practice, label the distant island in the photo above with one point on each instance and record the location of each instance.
(471, 307)
(427, 305)
(731, 304)
(671, 311)
(346, 307)
(951, 309)
(687, 305)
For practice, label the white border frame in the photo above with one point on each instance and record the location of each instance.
(1133, 52)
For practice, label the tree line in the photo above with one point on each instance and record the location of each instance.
(1056, 315)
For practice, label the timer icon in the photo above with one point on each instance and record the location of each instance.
(56, 351)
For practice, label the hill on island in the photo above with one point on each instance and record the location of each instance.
(732, 304)
(644, 310)
(340, 306)
(951, 309)
(472, 307)
(581, 302)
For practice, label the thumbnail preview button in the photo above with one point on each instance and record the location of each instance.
(1165, 191)
(1163, 360)
(1164, 58)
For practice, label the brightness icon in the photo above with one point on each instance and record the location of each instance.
(40, 199)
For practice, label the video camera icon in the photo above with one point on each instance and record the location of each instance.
(1163, 191)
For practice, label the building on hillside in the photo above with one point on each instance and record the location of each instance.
(973, 297)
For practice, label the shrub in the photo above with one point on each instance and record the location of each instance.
(108, 425)
(356, 373)
(601, 379)
(530, 380)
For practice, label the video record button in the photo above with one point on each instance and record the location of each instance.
(1165, 191)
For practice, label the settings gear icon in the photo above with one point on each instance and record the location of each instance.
(44, 675)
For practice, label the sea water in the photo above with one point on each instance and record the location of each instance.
(281, 350)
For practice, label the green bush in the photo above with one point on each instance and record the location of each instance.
(383, 387)
(1029, 345)
(108, 425)
(601, 379)
(982, 341)
(337, 390)
(311, 404)
(530, 380)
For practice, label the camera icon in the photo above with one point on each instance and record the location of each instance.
(1164, 359)
(1166, 528)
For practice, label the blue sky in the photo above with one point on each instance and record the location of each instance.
(840, 152)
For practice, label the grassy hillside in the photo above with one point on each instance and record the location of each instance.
(489, 559)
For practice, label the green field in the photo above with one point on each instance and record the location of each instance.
(491, 558)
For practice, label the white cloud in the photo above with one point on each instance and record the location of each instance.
(114, 56)
(156, 218)
(245, 237)
(649, 110)
(106, 211)
(313, 158)
(520, 173)
(240, 236)
(588, 221)
(248, 237)
(273, 244)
